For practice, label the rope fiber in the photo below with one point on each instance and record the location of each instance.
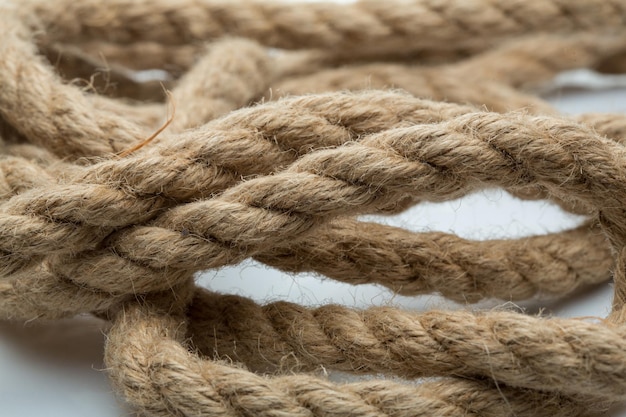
(272, 129)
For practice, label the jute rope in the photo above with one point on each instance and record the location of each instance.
(362, 28)
(156, 372)
(109, 205)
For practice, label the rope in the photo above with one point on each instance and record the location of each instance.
(147, 369)
(110, 203)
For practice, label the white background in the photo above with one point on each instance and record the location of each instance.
(57, 370)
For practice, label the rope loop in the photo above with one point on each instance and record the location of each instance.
(291, 122)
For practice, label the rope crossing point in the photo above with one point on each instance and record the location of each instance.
(291, 121)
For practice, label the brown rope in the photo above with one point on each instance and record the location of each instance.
(96, 218)
(150, 368)
(362, 28)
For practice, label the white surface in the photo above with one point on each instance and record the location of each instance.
(57, 370)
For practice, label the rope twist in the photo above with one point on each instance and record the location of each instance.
(283, 125)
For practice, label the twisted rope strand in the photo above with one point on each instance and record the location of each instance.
(428, 162)
(407, 263)
(41, 296)
(116, 193)
(122, 237)
(146, 363)
(356, 252)
(103, 266)
(202, 162)
(460, 270)
(362, 28)
(569, 356)
(528, 62)
(50, 114)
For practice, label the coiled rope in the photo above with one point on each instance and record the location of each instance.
(270, 156)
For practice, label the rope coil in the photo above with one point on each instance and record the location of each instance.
(253, 165)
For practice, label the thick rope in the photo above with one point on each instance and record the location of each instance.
(460, 270)
(96, 216)
(308, 123)
(481, 80)
(563, 355)
(363, 28)
(191, 248)
(266, 210)
(53, 115)
(358, 253)
(193, 168)
(147, 366)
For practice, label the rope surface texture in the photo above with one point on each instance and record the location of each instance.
(272, 128)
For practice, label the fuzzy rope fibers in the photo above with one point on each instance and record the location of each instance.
(284, 124)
